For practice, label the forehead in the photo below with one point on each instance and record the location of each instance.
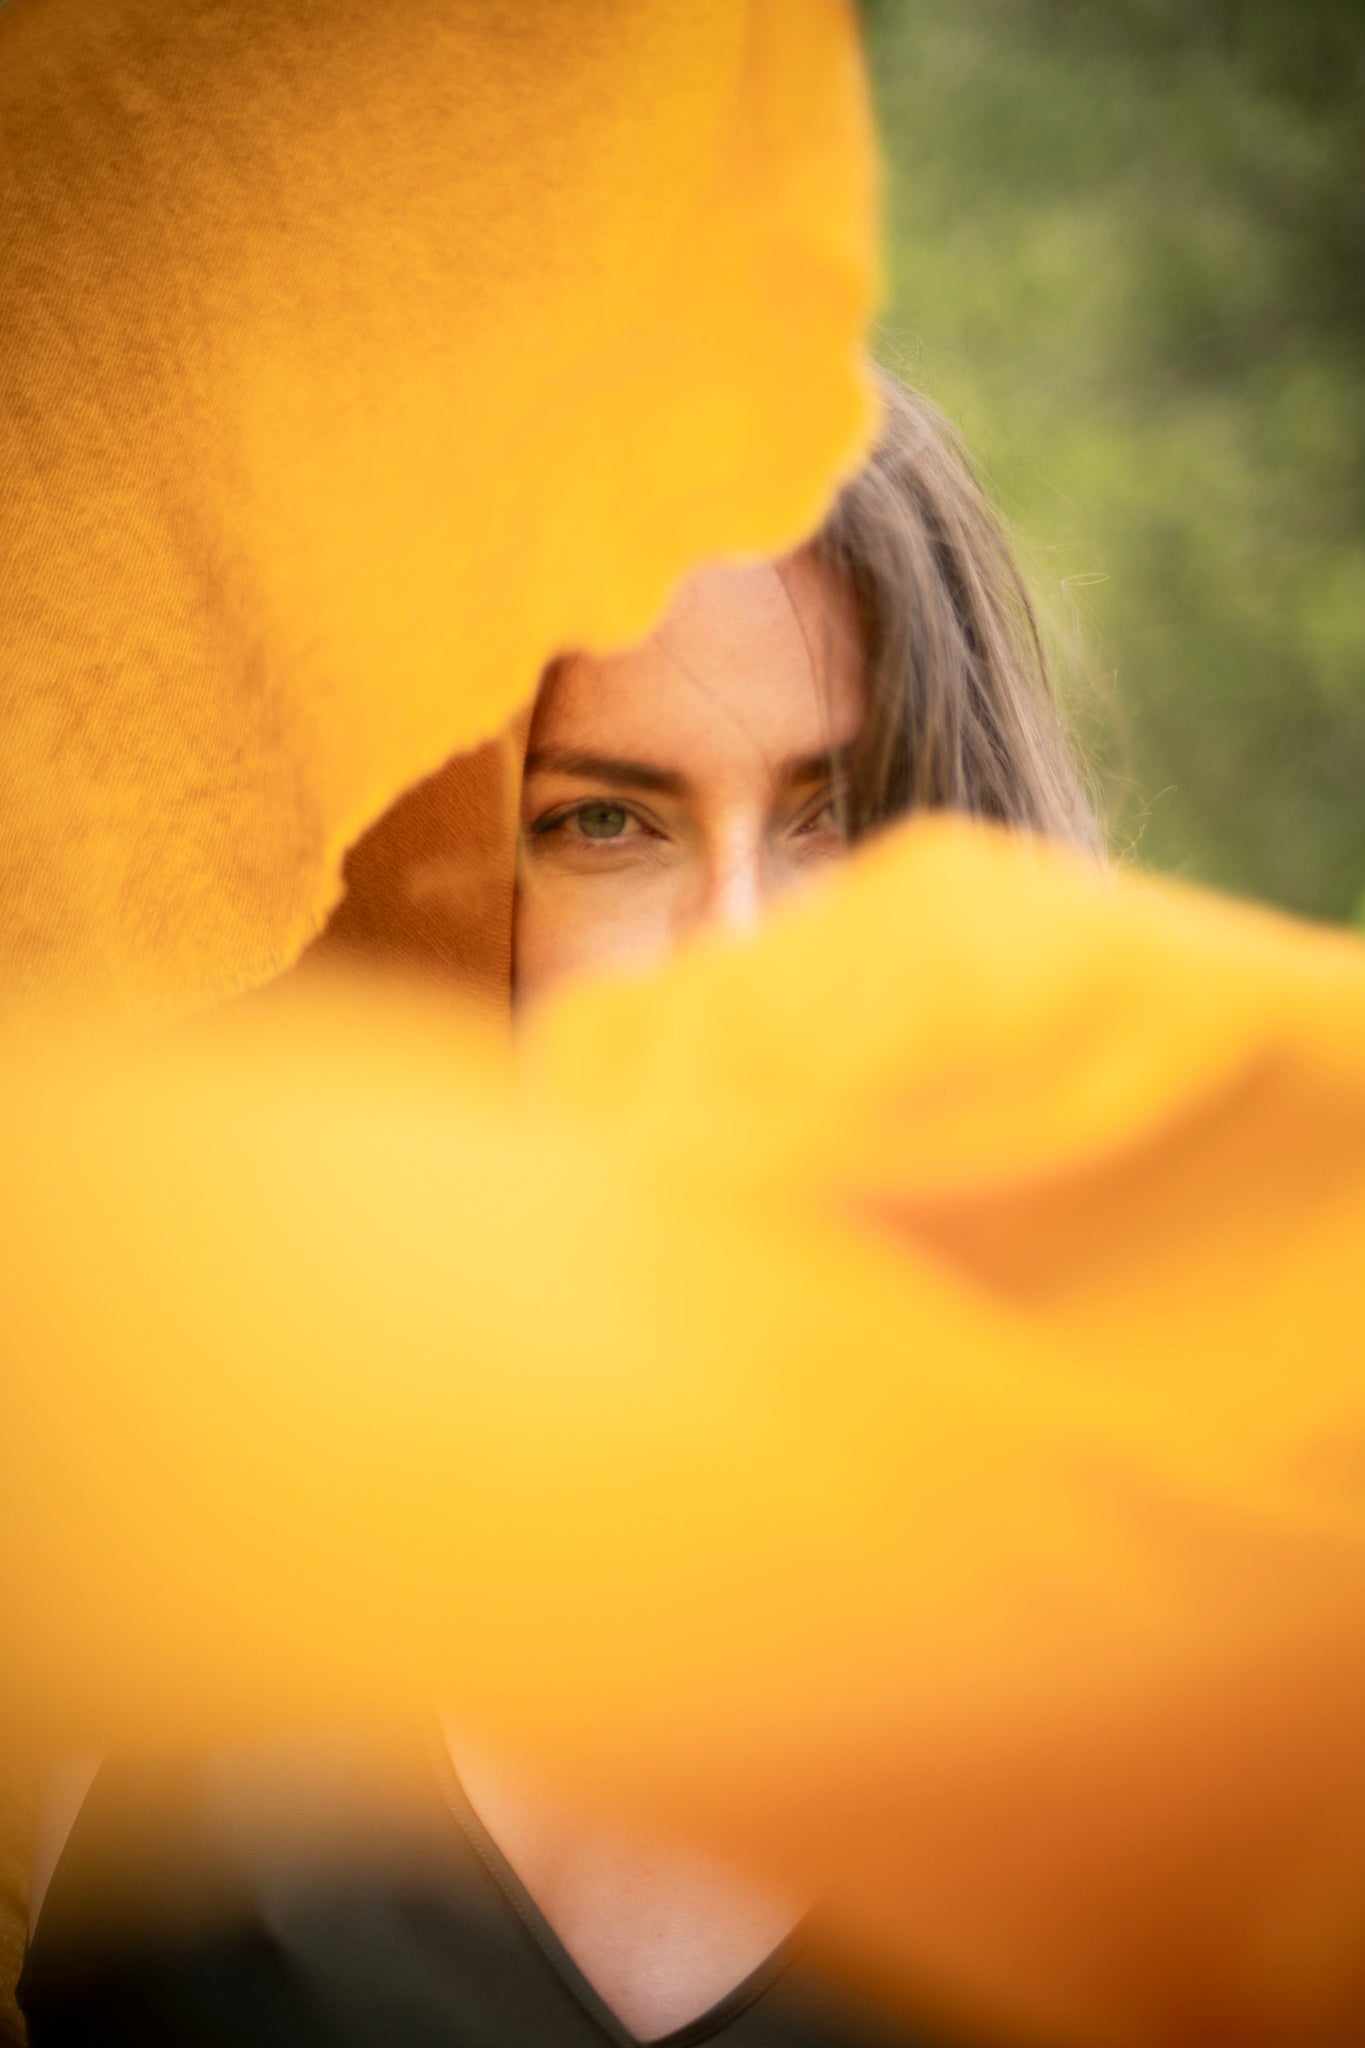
(750, 664)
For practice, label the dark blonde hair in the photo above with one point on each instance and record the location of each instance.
(961, 712)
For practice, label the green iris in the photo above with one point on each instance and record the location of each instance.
(601, 821)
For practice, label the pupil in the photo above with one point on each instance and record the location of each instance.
(602, 821)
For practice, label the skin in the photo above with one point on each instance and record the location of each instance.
(683, 785)
(690, 781)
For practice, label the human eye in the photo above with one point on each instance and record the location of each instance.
(822, 821)
(602, 820)
(593, 825)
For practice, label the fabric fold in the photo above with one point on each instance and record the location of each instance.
(915, 1389)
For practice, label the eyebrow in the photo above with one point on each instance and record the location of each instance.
(620, 774)
(617, 773)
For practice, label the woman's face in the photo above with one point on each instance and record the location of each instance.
(690, 780)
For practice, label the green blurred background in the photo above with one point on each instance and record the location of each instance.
(1126, 253)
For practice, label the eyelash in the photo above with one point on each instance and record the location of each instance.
(827, 800)
(556, 820)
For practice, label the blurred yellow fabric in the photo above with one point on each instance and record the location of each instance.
(907, 1371)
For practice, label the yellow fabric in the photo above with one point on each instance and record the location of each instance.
(913, 1388)
(903, 1379)
(353, 359)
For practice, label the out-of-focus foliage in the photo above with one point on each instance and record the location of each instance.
(1127, 253)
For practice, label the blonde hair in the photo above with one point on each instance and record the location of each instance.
(961, 712)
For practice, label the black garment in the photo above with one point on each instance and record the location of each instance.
(333, 1898)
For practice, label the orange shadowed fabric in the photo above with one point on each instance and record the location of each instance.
(428, 890)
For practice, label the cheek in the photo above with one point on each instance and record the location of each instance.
(570, 924)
